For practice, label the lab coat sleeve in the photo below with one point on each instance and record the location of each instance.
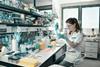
(79, 38)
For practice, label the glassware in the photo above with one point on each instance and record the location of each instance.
(37, 46)
(22, 48)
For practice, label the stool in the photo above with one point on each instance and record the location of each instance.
(56, 65)
(78, 61)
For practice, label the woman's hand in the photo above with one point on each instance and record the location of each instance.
(63, 36)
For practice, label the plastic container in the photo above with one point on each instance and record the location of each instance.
(42, 45)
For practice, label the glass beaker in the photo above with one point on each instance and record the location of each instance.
(22, 48)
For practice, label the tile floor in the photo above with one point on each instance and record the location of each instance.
(89, 63)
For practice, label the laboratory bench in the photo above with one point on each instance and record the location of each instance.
(46, 57)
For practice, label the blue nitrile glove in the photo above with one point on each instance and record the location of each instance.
(63, 36)
(56, 26)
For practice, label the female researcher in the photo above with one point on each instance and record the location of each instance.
(73, 40)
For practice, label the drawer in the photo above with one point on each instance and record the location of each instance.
(91, 44)
(89, 49)
(91, 55)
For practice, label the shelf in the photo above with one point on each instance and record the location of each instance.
(19, 10)
(10, 9)
(20, 24)
(6, 33)
(25, 25)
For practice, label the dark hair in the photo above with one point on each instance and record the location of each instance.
(74, 21)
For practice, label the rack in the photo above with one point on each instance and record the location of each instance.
(19, 10)
(14, 9)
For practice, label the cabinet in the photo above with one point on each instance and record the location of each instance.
(91, 49)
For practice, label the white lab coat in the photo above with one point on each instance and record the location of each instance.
(73, 54)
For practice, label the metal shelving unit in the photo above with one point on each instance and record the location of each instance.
(10, 8)
(19, 10)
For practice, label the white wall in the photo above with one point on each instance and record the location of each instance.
(49, 2)
(80, 3)
(56, 8)
(73, 1)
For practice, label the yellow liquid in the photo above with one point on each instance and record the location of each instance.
(42, 45)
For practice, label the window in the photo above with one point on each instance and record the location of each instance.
(90, 19)
(88, 16)
(69, 12)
